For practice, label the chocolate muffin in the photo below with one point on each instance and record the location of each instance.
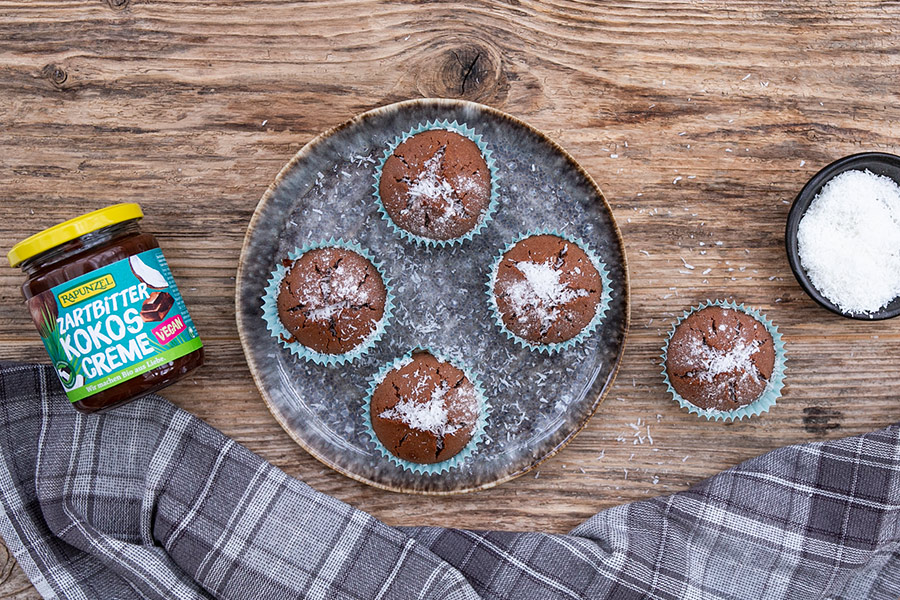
(436, 185)
(547, 289)
(331, 299)
(425, 411)
(719, 358)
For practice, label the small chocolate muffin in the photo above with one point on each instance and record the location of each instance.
(331, 299)
(720, 358)
(547, 289)
(425, 411)
(436, 185)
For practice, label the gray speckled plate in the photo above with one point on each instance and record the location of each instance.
(538, 402)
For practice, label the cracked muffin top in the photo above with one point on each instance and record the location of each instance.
(425, 410)
(547, 289)
(436, 185)
(720, 359)
(331, 299)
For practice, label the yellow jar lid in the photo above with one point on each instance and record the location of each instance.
(71, 229)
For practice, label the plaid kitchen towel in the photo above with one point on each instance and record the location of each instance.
(148, 501)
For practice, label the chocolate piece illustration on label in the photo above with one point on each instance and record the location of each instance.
(156, 306)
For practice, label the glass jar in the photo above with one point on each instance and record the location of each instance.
(107, 309)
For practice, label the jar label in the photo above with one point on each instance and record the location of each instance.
(113, 324)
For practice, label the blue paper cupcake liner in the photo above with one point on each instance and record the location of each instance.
(602, 306)
(486, 217)
(484, 410)
(773, 388)
(274, 325)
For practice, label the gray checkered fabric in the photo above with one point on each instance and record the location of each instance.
(148, 501)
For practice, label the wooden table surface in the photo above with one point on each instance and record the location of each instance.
(699, 120)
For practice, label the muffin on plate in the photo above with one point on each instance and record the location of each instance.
(327, 302)
(548, 290)
(331, 299)
(425, 410)
(436, 186)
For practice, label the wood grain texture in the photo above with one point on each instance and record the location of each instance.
(699, 120)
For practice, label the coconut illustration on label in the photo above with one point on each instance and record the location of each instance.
(147, 274)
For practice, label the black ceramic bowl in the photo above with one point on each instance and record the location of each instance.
(879, 163)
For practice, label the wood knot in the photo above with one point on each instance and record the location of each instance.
(819, 420)
(117, 4)
(55, 74)
(7, 564)
(470, 70)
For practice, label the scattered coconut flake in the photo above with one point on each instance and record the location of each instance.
(746, 77)
(541, 293)
(849, 241)
(430, 187)
(430, 416)
(715, 361)
(360, 160)
(324, 298)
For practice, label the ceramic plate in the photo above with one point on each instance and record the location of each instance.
(538, 402)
